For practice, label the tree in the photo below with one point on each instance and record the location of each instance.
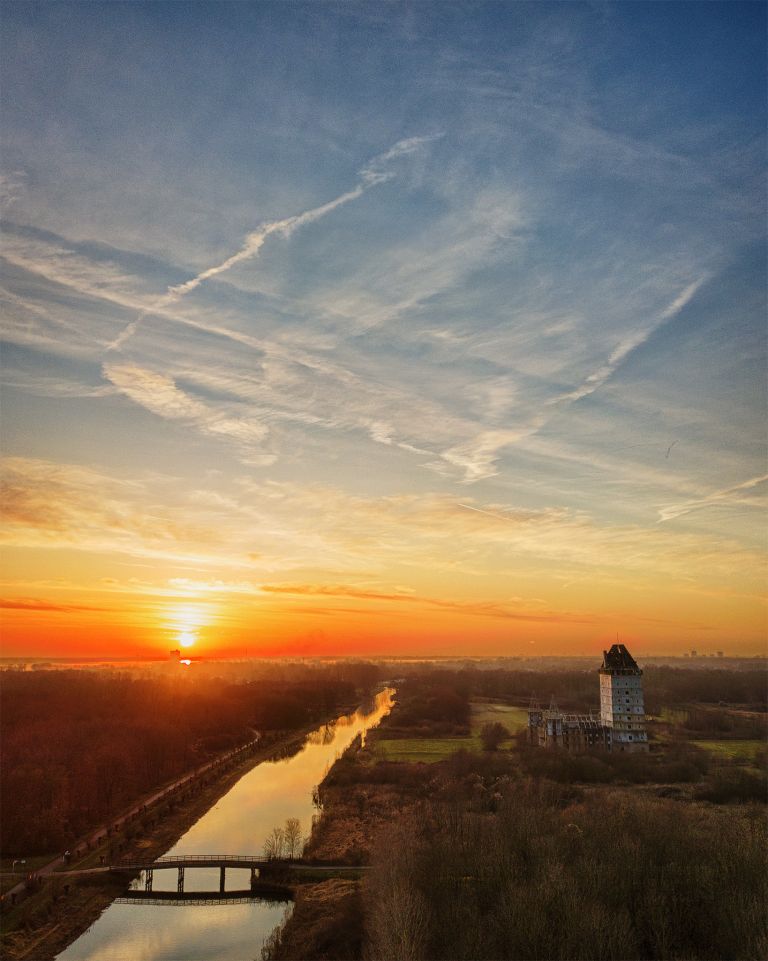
(274, 846)
(292, 837)
(492, 734)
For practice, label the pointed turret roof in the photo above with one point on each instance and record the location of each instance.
(619, 659)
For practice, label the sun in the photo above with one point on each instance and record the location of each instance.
(185, 621)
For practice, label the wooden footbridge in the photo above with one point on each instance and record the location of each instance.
(263, 871)
(182, 863)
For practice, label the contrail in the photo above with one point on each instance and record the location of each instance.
(373, 174)
(479, 510)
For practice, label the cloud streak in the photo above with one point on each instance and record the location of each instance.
(372, 175)
(33, 604)
(630, 344)
(478, 458)
(482, 608)
(721, 498)
(160, 395)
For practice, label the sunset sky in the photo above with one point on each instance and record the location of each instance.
(383, 328)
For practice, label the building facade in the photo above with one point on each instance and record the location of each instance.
(620, 725)
(621, 700)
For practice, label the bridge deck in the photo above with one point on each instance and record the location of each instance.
(193, 861)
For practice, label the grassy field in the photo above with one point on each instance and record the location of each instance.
(514, 719)
(427, 750)
(746, 750)
(671, 715)
(430, 750)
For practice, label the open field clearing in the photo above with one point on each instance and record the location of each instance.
(746, 750)
(427, 750)
(431, 750)
(514, 719)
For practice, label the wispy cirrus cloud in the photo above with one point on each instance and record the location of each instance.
(159, 394)
(735, 496)
(629, 344)
(471, 608)
(69, 506)
(478, 458)
(374, 173)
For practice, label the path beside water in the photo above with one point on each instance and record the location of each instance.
(238, 823)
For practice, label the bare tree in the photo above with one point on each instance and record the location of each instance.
(274, 846)
(397, 920)
(292, 836)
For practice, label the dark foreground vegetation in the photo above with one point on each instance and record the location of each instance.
(78, 747)
(502, 867)
(522, 853)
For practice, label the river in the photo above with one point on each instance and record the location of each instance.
(237, 824)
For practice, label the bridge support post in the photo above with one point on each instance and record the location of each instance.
(148, 879)
(253, 878)
(222, 879)
(180, 882)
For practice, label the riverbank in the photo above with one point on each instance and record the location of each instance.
(326, 923)
(56, 915)
(360, 796)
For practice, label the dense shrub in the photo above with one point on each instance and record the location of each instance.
(676, 762)
(729, 784)
(604, 878)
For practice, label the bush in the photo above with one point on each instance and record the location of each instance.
(492, 735)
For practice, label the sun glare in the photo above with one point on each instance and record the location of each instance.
(185, 622)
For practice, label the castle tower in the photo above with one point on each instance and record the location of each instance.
(621, 700)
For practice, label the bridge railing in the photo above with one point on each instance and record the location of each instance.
(189, 902)
(214, 859)
(211, 857)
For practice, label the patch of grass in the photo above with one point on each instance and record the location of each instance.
(426, 750)
(514, 719)
(430, 750)
(671, 715)
(743, 750)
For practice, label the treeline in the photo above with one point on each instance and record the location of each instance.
(524, 871)
(431, 704)
(78, 747)
(720, 722)
(578, 691)
(667, 686)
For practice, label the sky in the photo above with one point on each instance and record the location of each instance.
(362, 328)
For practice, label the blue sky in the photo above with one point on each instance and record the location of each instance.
(277, 270)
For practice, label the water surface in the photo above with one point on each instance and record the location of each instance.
(237, 824)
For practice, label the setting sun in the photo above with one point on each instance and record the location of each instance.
(184, 622)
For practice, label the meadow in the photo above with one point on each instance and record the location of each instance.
(430, 750)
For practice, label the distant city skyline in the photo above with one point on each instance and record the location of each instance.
(420, 329)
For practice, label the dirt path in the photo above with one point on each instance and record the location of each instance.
(102, 833)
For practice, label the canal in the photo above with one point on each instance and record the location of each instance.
(237, 824)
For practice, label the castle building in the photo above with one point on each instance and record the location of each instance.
(621, 700)
(620, 726)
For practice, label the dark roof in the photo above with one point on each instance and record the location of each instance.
(618, 659)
